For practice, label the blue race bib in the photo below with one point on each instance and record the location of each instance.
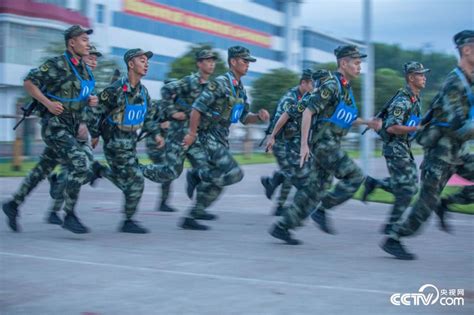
(237, 111)
(344, 115)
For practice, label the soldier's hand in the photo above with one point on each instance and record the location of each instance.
(93, 100)
(94, 142)
(55, 108)
(160, 142)
(83, 132)
(270, 143)
(165, 125)
(304, 154)
(375, 124)
(179, 116)
(263, 115)
(189, 140)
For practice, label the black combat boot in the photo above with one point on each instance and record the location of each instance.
(165, 208)
(11, 210)
(191, 224)
(203, 215)
(395, 248)
(283, 234)
(53, 218)
(131, 226)
(192, 180)
(319, 217)
(72, 223)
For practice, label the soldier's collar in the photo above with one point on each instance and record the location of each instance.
(76, 62)
(413, 98)
(199, 76)
(344, 82)
(468, 78)
(126, 87)
(234, 80)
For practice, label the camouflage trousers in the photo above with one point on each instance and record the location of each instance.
(128, 174)
(61, 177)
(62, 148)
(402, 183)
(216, 168)
(281, 153)
(158, 156)
(435, 173)
(313, 182)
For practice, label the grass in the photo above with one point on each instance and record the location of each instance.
(382, 196)
(255, 158)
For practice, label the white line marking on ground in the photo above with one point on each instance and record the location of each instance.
(200, 275)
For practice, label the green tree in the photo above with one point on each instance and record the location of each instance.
(186, 64)
(394, 57)
(387, 82)
(270, 87)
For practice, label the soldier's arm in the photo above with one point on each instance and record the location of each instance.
(396, 115)
(39, 78)
(280, 123)
(251, 118)
(151, 124)
(99, 113)
(169, 93)
(453, 109)
(305, 125)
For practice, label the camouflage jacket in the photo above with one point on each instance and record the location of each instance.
(112, 101)
(322, 101)
(285, 104)
(441, 138)
(185, 92)
(216, 102)
(156, 120)
(402, 106)
(55, 76)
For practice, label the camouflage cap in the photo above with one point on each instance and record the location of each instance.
(135, 52)
(166, 81)
(307, 74)
(94, 51)
(351, 51)
(76, 30)
(240, 52)
(321, 73)
(205, 54)
(414, 67)
(464, 37)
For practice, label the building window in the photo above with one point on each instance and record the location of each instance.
(100, 13)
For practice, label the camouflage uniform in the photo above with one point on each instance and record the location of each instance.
(178, 96)
(120, 138)
(281, 147)
(403, 180)
(60, 79)
(57, 181)
(446, 150)
(158, 155)
(217, 168)
(328, 157)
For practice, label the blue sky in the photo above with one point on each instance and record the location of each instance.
(428, 24)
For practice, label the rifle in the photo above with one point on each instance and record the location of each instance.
(429, 114)
(27, 111)
(382, 111)
(115, 76)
